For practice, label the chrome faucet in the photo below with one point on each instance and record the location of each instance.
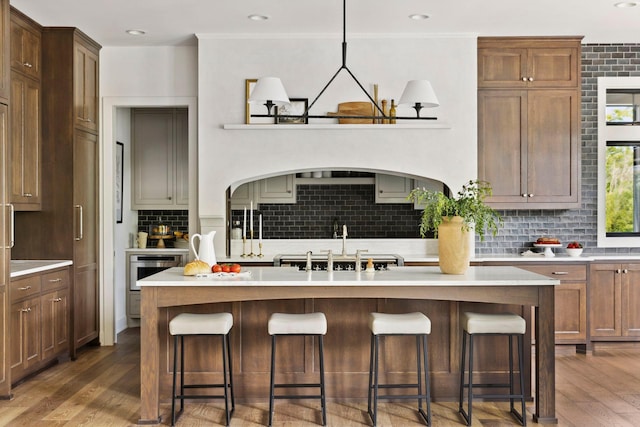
(359, 258)
(308, 266)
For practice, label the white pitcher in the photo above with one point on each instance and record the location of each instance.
(206, 251)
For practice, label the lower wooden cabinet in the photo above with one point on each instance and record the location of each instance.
(615, 301)
(39, 321)
(570, 299)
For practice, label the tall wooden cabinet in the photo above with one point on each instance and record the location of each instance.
(25, 115)
(529, 121)
(67, 226)
(6, 217)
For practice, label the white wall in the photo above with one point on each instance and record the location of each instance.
(135, 77)
(305, 64)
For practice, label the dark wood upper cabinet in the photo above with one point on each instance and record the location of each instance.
(26, 41)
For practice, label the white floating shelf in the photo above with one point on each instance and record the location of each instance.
(319, 126)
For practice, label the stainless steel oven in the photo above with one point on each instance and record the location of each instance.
(144, 265)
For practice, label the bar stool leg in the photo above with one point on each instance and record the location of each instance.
(272, 386)
(233, 400)
(470, 401)
(322, 393)
(224, 378)
(175, 374)
(426, 380)
(369, 394)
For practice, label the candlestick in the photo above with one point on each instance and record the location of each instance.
(244, 226)
(344, 230)
(251, 219)
(260, 246)
(260, 229)
(244, 242)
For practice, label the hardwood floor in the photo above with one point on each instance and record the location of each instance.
(102, 388)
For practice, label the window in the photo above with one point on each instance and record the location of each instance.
(622, 192)
(618, 162)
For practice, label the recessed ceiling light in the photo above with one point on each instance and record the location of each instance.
(136, 32)
(255, 17)
(626, 4)
(419, 16)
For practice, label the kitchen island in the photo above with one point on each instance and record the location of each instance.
(340, 294)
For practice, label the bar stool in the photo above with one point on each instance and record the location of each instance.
(382, 324)
(492, 324)
(314, 324)
(202, 324)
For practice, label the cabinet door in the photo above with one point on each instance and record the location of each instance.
(153, 158)
(25, 143)
(5, 49)
(243, 195)
(571, 312)
(552, 166)
(392, 188)
(502, 117)
(5, 247)
(502, 68)
(86, 89)
(553, 67)
(85, 252)
(55, 323)
(25, 335)
(182, 158)
(25, 48)
(630, 300)
(278, 189)
(604, 296)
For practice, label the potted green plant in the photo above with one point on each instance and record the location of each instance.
(452, 219)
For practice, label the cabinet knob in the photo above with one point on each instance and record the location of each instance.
(168, 197)
(531, 195)
(625, 271)
(28, 65)
(524, 79)
(26, 310)
(530, 79)
(618, 271)
(524, 195)
(27, 195)
(56, 299)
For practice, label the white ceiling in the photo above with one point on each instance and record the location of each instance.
(175, 22)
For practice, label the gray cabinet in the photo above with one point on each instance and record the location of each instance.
(160, 158)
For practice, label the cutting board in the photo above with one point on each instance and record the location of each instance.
(354, 109)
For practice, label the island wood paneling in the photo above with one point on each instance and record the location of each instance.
(347, 345)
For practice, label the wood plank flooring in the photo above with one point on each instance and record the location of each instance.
(102, 388)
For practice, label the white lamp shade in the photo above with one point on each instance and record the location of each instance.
(419, 92)
(269, 89)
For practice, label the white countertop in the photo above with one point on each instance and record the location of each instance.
(24, 267)
(399, 276)
(156, 250)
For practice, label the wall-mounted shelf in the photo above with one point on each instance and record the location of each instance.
(439, 125)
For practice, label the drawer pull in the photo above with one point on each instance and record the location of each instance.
(560, 273)
(55, 280)
(24, 288)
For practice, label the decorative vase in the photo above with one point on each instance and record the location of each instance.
(453, 246)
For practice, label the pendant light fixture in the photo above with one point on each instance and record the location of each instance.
(418, 93)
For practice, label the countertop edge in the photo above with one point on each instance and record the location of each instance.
(21, 268)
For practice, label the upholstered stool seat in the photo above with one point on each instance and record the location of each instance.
(411, 324)
(313, 324)
(480, 324)
(186, 324)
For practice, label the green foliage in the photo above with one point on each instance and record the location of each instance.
(619, 189)
(468, 204)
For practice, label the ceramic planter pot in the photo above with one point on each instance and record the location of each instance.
(453, 246)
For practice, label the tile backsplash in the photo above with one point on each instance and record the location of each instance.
(178, 220)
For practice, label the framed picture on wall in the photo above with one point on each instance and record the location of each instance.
(254, 109)
(119, 176)
(297, 108)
